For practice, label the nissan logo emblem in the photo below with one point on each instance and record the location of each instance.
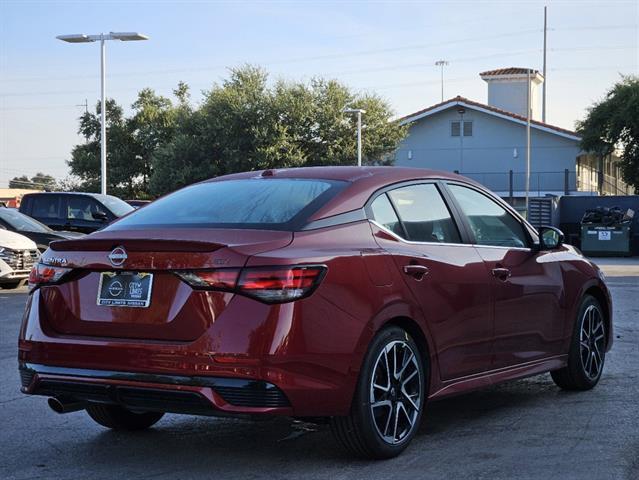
(117, 256)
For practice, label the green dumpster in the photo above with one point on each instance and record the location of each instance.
(606, 240)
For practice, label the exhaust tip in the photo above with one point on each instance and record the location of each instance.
(55, 405)
(61, 406)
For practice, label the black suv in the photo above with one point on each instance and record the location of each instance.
(73, 211)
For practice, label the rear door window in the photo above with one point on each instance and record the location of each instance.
(424, 214)
(46, 207)
(384, 214)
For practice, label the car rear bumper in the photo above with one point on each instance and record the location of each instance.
(196, 395)
(284, 366)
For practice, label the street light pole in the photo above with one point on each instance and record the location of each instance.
(528, 107)
(359, 112)
(102, 37)
(442, 64)
(103, 145)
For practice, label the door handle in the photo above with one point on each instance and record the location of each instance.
(416, 271)
(501, 273)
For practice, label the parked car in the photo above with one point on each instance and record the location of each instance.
(347, 294)
(18, 255)
(138, 203)
(14, 221)
(77, 212)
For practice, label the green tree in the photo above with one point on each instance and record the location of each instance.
(85, 158)
(40, 181)
(131, 143)
(614, 123)
(243, 124)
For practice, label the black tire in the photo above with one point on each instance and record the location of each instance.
(11, 285)
(119, 418)
(586, 351)
(361, 432)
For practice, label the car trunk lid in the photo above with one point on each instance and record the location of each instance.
(176, 312)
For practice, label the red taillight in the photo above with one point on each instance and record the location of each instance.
(267, 284)
(221, 279)
(280, 284)
(42, 274)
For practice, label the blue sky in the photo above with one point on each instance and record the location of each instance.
(384, 47)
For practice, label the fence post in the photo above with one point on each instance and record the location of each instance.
(538, 184)
(566, 181)
(510, 186)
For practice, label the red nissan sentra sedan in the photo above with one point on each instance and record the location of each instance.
(348, 294)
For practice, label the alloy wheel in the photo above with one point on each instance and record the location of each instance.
(396, 392)
(592, 342)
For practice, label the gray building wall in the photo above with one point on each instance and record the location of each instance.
(487, 156)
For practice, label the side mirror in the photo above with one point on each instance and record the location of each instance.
(100, 216)
(550, 238)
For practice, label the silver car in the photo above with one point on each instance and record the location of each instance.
(17, 255)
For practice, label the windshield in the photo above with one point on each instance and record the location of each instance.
(21, 222)
(118, 207)
(277, 204)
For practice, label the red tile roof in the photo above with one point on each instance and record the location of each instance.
(471, 103)
(509, 71)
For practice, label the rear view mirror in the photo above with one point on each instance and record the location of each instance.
(550, 238)
(100, 216)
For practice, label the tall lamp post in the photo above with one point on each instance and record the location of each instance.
(528, 108)
(359, 112)
(102, 37)
(442, 64)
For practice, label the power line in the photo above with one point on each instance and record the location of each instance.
(309, 58)
(368, 87)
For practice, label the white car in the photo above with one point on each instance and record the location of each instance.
(17, 256)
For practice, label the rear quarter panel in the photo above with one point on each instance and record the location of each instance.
(362, 290)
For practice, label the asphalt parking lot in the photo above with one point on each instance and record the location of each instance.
(523, 429)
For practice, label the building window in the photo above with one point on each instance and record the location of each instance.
(455, 129)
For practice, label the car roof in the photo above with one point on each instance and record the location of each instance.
(345, 173)
(364, 182)
(94, 195)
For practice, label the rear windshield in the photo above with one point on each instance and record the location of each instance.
(264, 203)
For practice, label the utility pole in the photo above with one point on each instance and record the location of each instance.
(543, 87)
(528, 101)
(461, 110)
(85, 105)
(441, 64)
(86, 111)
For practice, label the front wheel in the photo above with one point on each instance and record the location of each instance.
(389, 400)
(119, 418)
(587, 349)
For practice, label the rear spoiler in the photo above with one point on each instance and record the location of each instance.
(134, 245)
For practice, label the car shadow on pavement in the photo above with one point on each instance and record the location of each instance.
(499, 402)
(189, 440)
